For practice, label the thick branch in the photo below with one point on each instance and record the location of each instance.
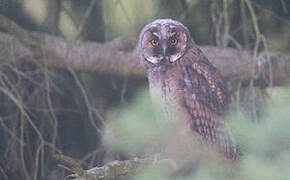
(113, 170)
(117, 57)
(114, 57)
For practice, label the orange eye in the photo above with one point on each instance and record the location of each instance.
(173, 41)
(154, 42)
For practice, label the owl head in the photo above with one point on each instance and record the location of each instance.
(163, 41)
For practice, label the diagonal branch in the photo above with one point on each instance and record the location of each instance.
(113, 170)
(117, 57)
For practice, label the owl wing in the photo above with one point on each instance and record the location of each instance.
(206, 100)
(203, 82)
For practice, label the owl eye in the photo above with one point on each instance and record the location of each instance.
(173, 41)
(154, 42)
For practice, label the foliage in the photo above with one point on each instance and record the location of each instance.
(43, 111)
(265, 145)
(134, 126)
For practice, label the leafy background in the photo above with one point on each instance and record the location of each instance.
(44, 111)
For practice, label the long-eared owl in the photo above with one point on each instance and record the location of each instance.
(187, 86)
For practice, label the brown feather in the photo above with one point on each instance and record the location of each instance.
(190, 89)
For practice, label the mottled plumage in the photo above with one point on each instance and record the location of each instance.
(187, 86)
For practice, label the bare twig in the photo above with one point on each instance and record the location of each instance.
(226, 32)
(84, 20)
(88, 104)
(119, 2)
(244, 24)
(12, 28)
(187, 9)
(284, 7)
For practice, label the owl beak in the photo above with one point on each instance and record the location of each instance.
(164, 49)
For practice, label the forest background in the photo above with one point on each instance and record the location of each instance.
(68, 68)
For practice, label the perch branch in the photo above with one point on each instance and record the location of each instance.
(117, 57)
(112, 170)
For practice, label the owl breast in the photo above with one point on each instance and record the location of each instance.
(166, 94)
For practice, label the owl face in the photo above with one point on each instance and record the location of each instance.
(163, 41)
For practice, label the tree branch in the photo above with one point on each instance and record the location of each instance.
(117, 57)
(113, 170)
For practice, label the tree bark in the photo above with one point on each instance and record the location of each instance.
(118, 57)
(114, 170)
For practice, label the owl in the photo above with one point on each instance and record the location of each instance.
(189, 89)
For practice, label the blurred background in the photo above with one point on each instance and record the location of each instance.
(45, 110)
